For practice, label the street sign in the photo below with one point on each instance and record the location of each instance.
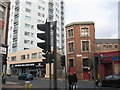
(79, 55)
(3, 50)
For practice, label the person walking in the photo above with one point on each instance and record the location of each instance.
(70, 81)
(75, 80)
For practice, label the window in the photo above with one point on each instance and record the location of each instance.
(32, 34)
(70, 33)
(27, 25)
(28, 10)
(71, 64)
(27, 17)
(28, 56)
(71, 47)
(110, 46)
(13, 58)
(104, 46)
(32, 26)
(31, 42)
(84, 31)
(41, 8)
(40, 21)
(85, 45)
(28, 3)
(27, 33)
(40, 55)
(34, 55)
(85, 62)
(22, 57)
(116, 46)
(27, 41)
(40, 14)
(26, 48)
(98, 47)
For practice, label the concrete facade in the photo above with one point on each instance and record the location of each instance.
(24, 17)
(27, 61)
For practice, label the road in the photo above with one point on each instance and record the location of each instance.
(45, 83)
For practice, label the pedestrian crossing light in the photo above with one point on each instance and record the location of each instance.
(63, 60)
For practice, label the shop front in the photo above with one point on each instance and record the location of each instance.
(36, 69)
(109, 64)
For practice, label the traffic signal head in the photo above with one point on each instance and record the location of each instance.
(44, 36)
(4, 59)
(63, 60)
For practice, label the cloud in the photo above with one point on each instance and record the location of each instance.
(104, 15)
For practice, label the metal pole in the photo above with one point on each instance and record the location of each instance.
(49, 51)
(55, 55)
(50, 69)
(99, 59)
(65, 79)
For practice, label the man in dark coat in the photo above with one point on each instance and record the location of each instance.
(75, 80)
(72, 80)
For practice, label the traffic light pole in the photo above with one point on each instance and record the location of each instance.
(55, 55)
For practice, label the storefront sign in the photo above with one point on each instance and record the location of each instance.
(115, 58)
(3, 50)
(23, 65)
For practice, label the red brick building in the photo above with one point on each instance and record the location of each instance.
(80, 47)
(110, 62)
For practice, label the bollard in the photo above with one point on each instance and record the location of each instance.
(27, 85)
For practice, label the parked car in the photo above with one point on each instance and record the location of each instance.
(111, 81)
(25, 76)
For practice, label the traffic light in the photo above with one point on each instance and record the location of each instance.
(4, 59)
(63, 60)
(44, 36)
(46, 45)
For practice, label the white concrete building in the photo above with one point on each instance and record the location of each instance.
(24, 17)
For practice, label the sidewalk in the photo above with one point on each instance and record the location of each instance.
(12, 85)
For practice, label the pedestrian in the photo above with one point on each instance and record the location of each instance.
(75, 80)
(70, 81)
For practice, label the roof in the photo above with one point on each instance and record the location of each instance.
(80, 23)
(107, 41)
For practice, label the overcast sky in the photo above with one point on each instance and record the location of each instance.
(103, 13)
